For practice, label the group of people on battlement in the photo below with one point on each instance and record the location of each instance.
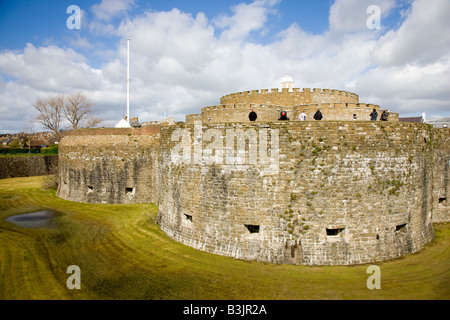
(374, 115)
(318, 116)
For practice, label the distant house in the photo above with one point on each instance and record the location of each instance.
(412, 119)
(5, 142)
(39, 143)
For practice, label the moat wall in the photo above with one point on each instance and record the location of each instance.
(28, 166)
(110, 165)
(342, 192)
(440, 183)
(345, 193)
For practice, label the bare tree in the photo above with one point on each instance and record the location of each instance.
(49, 113)
(92, 122)
(76, 109)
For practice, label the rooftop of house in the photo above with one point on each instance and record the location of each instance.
(412, 119)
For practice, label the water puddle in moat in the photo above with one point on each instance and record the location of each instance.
(38, 219)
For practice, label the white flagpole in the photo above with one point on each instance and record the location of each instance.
(128, 81)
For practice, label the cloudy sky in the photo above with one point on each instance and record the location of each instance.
(185, 54)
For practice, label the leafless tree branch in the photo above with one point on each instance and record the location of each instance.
(77, 108)
(49, 113)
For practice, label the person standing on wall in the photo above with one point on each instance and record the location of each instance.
(384, 116)
(318, 116)
(302, 116)
(374, 115)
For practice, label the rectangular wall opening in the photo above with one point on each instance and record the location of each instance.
(252, 228)
(333, 232)
(129, 191)
(442, 200)
(188, 217)
(90, 189)
(401, 227)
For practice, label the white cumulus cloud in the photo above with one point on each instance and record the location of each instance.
(182, 62)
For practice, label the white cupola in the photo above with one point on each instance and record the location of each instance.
(287, 82)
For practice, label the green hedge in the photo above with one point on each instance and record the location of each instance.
(19, 151)
(53, 149)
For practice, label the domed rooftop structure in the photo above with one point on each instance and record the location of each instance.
(287, 82)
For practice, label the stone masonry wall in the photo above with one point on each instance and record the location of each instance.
(24, 166)
(286, 98)
(340, 193)
(440, 139)
(345, 193)
(238, 113)
(110, 165)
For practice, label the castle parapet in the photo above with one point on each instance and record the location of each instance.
(290, 97)
(331, 111)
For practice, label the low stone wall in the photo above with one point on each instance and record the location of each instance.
(109, 165)
(24, 166)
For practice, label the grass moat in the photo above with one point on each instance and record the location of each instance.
(122, 254)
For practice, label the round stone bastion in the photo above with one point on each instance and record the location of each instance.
(287, 192)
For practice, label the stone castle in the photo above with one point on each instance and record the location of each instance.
(344, 190)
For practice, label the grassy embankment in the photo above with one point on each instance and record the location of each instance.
(122, 254)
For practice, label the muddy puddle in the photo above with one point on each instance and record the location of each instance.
(38, 219)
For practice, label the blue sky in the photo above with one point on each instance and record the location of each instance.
(23, 21)
(187, 54)
(43, 21)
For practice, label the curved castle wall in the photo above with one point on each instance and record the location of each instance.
(109, 165)
(286, 98)
(344, 192)
(335, 192)
(238, 113)
(441, 196)
(335, 105)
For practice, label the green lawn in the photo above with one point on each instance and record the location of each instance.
(122, 254)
